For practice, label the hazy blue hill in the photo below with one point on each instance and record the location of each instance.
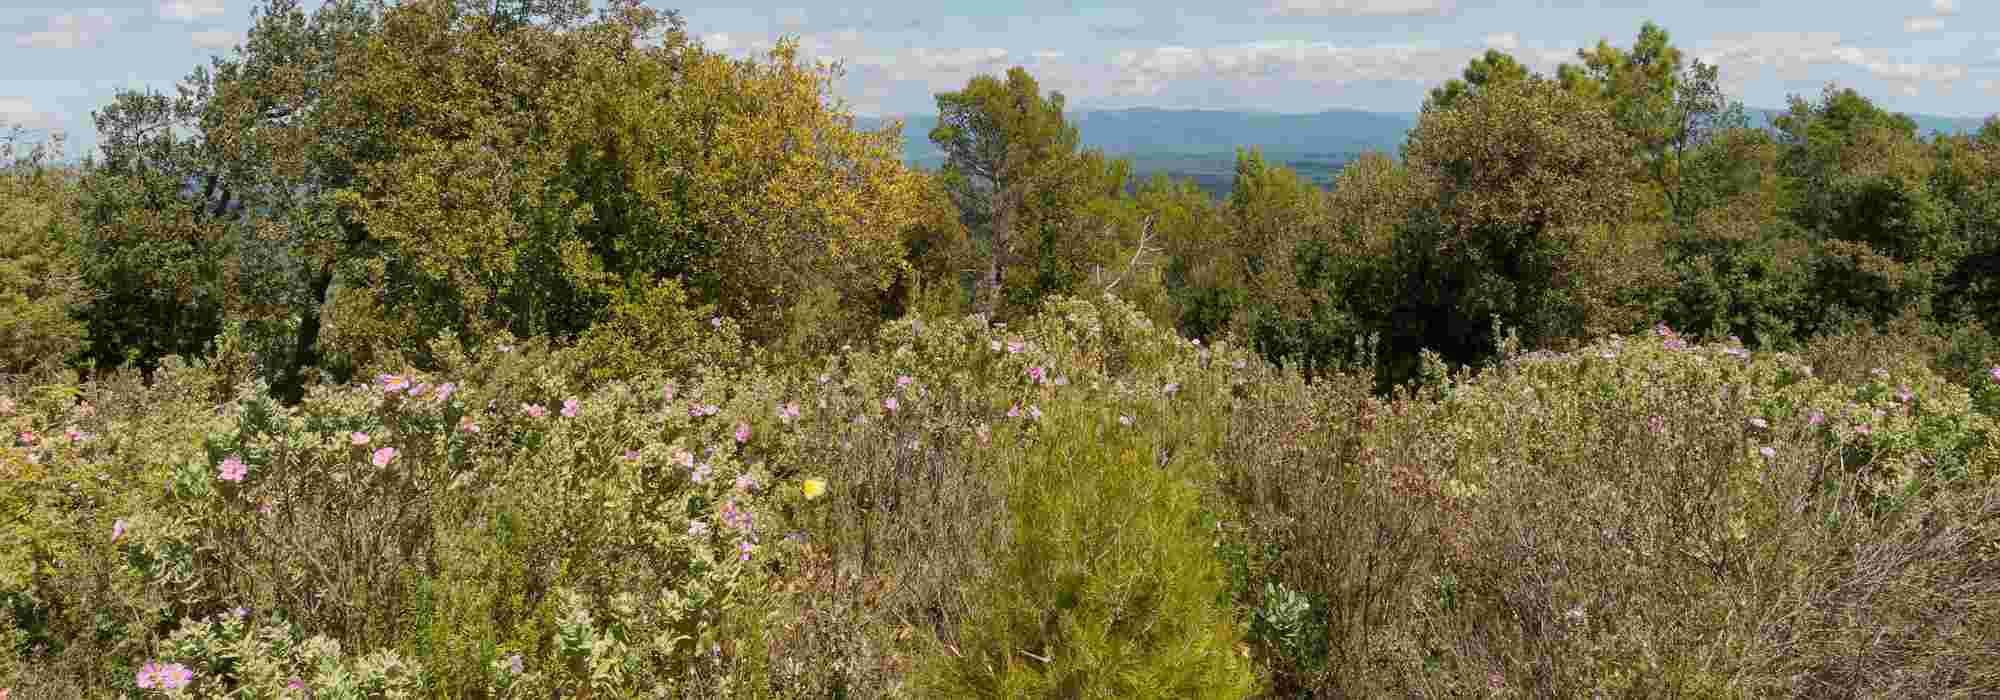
(1201, 144)
(1149, 130)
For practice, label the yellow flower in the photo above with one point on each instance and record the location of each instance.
(813, 488)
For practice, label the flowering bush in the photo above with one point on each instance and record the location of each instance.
(1644, 514)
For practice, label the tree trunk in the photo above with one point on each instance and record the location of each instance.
(1003, 226)
(305, 348)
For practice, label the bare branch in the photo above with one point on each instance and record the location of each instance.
(1138, 254)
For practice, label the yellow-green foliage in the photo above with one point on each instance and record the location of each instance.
(1105, 586)
(40, 287)
(534, 195)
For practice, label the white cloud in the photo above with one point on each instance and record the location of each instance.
(1989, 85)
(1505, 42)
(187, 10)
(1944, 7)
(1919, 25)
(1047, 55)
(215, 40)
(1794, 54)
(791, 17)
(1148, 71)
(967, 59)
(1360, 8)
(66, 32)
(717, 42)
(21, 112)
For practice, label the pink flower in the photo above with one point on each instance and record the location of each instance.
(686, 459)
(444, 392)
(1759, 423)
(1815, 417)
(715, 322)
(1863, 429)
(1995, 373)
(358, 437)
(746, 483)
(745, 549)
(384, 456)
(28, 438)
(1036, 374)
(667, 392)
(117, 529)
(417, 392)
(392, 383)
(904, 380)
(233, 469)
(74, 435)
(164, 676)
(631, 455)
(890, 404)
(1014, 347)
(1903, 394)
(1035, 412)
(569, 408)
(295, 684)
(1657, 423)
(1014, 411)
(466, 425)
(788, 412)
(742, 433)
(1767, 452)
(534, 410)
(982, 433)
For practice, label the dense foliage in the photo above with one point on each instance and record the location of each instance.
(464, 349)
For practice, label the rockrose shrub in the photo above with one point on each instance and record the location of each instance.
(1643, 516)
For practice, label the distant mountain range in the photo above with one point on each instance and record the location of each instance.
(1201, 144)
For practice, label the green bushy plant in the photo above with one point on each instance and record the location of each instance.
(1105, 586)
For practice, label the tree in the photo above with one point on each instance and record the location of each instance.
(1860, 189)
(1515, 185)
(551, 172)
(40, 284)
(1008, 154)
(216, 205)
(1668, 108)
(1492, 69)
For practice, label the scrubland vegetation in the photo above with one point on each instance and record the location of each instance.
(461, 350)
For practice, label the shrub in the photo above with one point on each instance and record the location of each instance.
(1634, 518)
(1106, 587)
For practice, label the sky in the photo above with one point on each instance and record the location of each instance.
(65, 59)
